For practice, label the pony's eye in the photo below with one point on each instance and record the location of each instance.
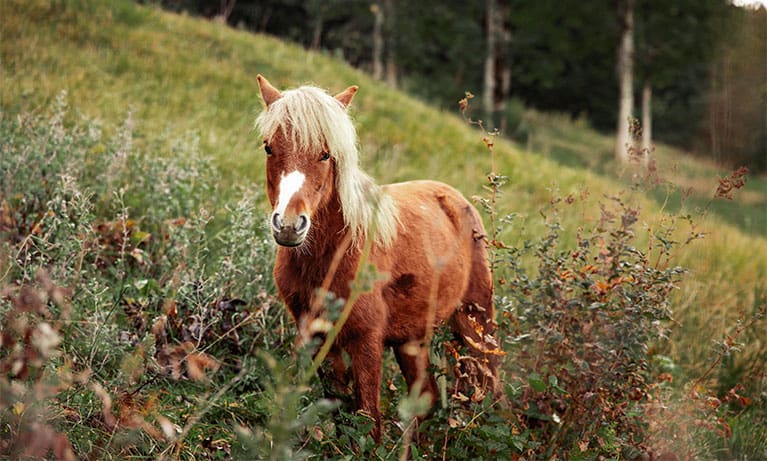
(325, 156)
(267, 149)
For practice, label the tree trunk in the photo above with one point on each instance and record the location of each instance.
(390, 43)
(714, 111)
(646, 121)
(488, 91)
(625, 79)
(378, 41)
(227, 6)
(316, 10)
(317, 34)
(503, 63)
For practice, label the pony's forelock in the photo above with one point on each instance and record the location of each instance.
(314, 121)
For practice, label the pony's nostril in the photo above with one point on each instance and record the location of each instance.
(301, 223)
(277, 223)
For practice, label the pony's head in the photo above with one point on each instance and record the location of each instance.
(311, 154)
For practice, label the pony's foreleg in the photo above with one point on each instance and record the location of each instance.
(415, 369)
(366, 355)
(336, 378)
(417, 376)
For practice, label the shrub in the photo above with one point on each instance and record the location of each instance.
(586, 318)
(120, 290)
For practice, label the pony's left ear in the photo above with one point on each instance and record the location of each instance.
(345, 97)
(268, 93)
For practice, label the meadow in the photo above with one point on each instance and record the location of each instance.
(138, 314)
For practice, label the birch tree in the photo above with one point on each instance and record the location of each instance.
(625, 71)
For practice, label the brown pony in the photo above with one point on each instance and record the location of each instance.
(423, 235)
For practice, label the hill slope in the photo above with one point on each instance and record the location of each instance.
(177, 75)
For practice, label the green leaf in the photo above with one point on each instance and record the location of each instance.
(554, 384)
(536, 382)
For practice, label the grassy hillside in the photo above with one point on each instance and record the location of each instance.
(178, 76)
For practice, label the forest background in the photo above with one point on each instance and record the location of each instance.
(699, 67)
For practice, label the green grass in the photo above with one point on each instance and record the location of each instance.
(571, 143)
(181, 77)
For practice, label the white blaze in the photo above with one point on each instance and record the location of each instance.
(289, 185)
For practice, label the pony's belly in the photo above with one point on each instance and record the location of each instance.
(410, 310)
(430, 261)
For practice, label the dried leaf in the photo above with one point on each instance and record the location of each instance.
(482, 348)
(106, 401)
(713, 402)
(138, 255)
(171, 358)
(158, 327)
(665, 377)
(198, 363)
(42, 438)
(18, 408)
(460, 397)
(463, 104)
(728, 185)
(170, 309)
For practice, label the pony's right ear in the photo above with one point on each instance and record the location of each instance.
(345, 97)
(268, 93)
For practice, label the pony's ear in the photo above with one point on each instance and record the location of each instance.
(268, 93)
(345, 97)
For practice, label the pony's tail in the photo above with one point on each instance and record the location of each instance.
(474, 326)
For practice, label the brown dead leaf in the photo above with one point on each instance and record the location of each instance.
(665, 377)
(198, 363)
(482, 348)
(171, 357)
(168, 428)
(158, 328)
(42, 438)
(106, 401)
(463, 104)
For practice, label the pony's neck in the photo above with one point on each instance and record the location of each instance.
(330, 235)
(329, 228)
(330, 250)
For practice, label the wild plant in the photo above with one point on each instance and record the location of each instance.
(583, 325)
(115, 286)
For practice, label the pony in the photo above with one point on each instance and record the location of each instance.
(423, 236)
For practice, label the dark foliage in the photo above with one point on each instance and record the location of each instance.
(562, 56)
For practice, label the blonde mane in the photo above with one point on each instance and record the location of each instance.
(315, 121)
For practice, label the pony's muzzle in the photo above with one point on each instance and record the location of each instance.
(290, 231)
